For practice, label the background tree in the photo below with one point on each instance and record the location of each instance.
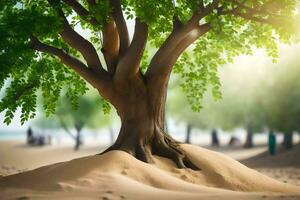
(86, 115)
(40, 49)
(282, 98)
(205, 119)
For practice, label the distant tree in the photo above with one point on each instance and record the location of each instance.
(283, 99)
(86, 115)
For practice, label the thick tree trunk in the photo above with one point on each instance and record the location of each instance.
(249, 139)
(142, 126)
(288, 140)
(188, 133)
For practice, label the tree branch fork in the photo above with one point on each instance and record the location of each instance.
(122, 57)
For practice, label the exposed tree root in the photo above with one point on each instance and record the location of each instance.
(160, 144)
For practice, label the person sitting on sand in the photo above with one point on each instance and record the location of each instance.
(233, 141)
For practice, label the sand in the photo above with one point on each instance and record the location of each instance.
(283, 158)
(16, 156)
(118, 175)
(284, 166)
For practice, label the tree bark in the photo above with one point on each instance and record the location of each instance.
(249, 139)
(188, 133)
(78, 140)
(288, 140)
(142, 125)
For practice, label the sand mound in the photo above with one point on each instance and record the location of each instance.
(118, 175)
(284, 158)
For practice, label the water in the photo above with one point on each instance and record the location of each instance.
(12, 135)
(60, 137)
(102, 136)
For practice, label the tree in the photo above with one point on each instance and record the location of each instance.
(41, 49)
(205, 119)
(282, 104)
(87, 115)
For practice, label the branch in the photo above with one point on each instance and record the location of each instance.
(121, 25)
(250, 12)
(111, 45)
(164, 69)
(24, 90)
(64, 126)
(204, 11)
(80, 10)
(189, 39)
(256, 19)
(177, 35)
(92, 2)
(77, 42)
(129, 64)
(176, 22)
(97, 80)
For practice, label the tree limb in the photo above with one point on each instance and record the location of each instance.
(111, 45)
(128, 66)
(80, 10)
(256, 19)
(249, 13)
(121, 25)
(98, 80)
(24, 90)
(77, 42)
(92, 2)
(189, 39)
(64, 126)
(160, 74)
(176, 36)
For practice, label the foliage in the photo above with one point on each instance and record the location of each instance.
(87, 114)
(30, 72)
(282, 96)
(257, 94)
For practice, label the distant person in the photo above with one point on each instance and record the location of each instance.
(233, 141)
(215, 138)
(40, 140)
(30, 138)
(49, 139)
(272, 143)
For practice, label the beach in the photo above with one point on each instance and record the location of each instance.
(59, 172)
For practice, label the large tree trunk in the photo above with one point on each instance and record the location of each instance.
(249, 139)
(142, 125)
(188, 133)
(288, 140)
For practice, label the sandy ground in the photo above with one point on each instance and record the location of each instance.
(284, 166)
(118, 175)
(15, 156)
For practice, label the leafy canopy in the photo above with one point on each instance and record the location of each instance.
(26, 72)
